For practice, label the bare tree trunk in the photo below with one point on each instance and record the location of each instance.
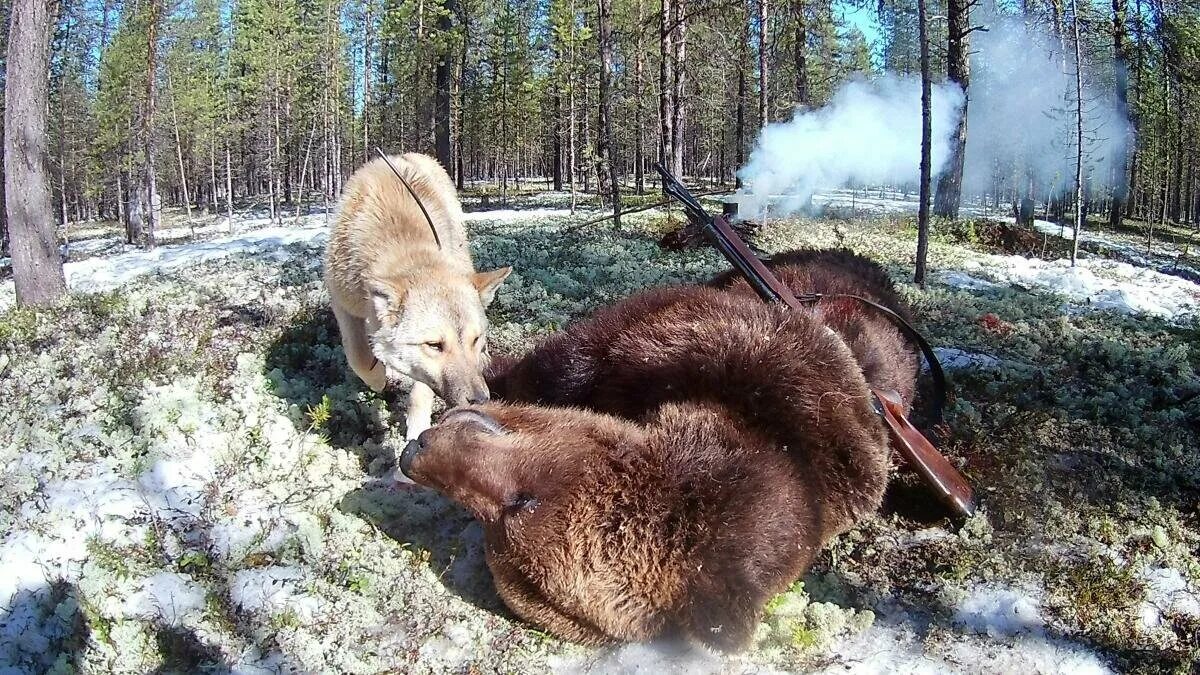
(678, 122)
(639, 148)
(923, 208)
(187, 202)
(442, 88)
(304, 167)
(744, 56)
(1121, 75)
(666, 78)
(151, 203)
(228, 175)
(1177, 192)
(604, 137)
(801, 58)
(366, 123)
(958, 70)
(37, 265)
(571, 113)
(212, 172)
(764, 80)
(1079, 210)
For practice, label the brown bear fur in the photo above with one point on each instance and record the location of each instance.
(704, 447)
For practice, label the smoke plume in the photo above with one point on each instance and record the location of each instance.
(1020, 127)
(870, 132)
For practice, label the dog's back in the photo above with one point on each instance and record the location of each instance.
(380, 229)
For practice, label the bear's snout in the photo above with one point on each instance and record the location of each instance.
(414, 448)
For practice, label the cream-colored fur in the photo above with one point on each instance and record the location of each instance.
(404, 306)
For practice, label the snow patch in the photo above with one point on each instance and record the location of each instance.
(1167, 592)
(899, 641)
(959, 359)
(99, 274)
(653, 657)
(165, 596)
(271, 590)
(1095, 283)
(1000, 611)
(510, 215)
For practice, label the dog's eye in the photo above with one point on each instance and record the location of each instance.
(435, 346)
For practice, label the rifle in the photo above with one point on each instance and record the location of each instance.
(946, 481)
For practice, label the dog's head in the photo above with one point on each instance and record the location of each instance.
(432, 327)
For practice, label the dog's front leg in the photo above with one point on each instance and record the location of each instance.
(420, 410)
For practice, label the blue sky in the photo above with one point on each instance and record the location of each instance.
(864, 19)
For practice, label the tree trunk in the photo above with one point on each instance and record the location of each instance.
(639, 148)
(366, 117)
(744, 53)
(36, 263)
(666, 77)
(187, 202)
(958, 70)
(801, 58)
(1121, 76)
(679, 45)
(441, 124)
(151, 203)
(228, 175)
(1079, 210)
(1177, 192)
(604, 137)
(764, 79)
(923, 208)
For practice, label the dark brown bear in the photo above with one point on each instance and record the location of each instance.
(703, 447)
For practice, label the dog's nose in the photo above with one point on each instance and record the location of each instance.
(478, 396)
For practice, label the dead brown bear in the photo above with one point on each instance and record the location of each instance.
(701, 448)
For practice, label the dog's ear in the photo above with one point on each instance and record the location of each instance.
(488, 282)
(386, 299)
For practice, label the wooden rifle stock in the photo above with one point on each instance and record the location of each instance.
(950, 485)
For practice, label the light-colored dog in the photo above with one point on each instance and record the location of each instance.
(404, 305)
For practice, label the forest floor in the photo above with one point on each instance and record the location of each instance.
(192, 480)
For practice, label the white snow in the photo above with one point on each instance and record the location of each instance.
(105, 273)
(50, 548)
(660, 656)
(271, 590)
(959, 359)
(899, 641)
(1095, 283)
(167, 596)
(510, 215)
(1000, 611)
(1167, 592)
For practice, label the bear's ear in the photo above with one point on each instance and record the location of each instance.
(487, 283)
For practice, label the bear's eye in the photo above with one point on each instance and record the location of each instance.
(520, 502)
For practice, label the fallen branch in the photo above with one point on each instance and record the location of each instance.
(639, 209)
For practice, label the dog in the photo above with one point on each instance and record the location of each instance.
(669, 464)
(406, 305)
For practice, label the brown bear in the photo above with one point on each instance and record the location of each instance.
(672, 462)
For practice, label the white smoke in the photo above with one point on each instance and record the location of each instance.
(1020, 127)
(1021, 116)
(870, 132)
